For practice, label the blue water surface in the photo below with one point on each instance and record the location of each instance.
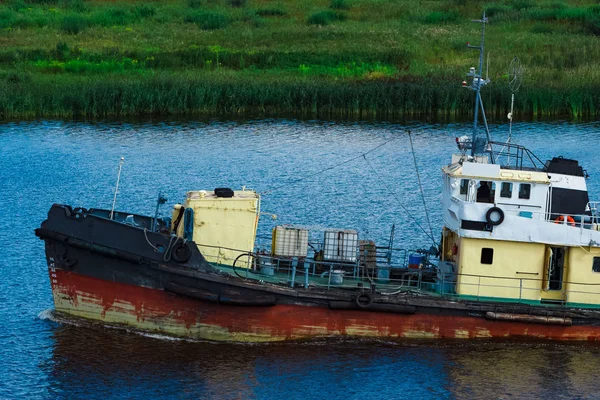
(289, 161)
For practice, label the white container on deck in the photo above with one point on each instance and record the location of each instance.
(289, 241)
(340, 245)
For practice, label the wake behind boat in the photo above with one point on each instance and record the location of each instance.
(519, 256)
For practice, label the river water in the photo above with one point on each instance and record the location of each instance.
(289, 161)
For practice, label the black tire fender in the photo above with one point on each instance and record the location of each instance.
(181, 252)
(364, 300)
(488, 216)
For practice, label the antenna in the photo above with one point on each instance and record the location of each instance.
(515, 73)
(478, 82)
(112, 211)
(487, 68)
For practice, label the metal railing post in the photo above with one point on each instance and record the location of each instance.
(442, 287)
(520, 289)
(306, 268)
(478, 287)
(364, 267)
(294, 264)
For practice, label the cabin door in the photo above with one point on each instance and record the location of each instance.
(554, 272)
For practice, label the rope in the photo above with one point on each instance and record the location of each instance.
(168, 251)
(330, 167)
(148, 240)
(398, 201)
(420, 185)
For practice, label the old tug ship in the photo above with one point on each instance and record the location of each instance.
(519, 256)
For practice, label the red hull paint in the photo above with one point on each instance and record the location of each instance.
(152, 309)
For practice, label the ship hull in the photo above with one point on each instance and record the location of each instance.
(158, 311)
(112, 272)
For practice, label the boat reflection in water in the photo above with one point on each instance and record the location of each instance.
(114, 364)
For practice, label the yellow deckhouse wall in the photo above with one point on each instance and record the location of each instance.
(224, 227)
(583, 285)
(500, 279)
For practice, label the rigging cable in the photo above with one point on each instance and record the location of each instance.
(399, 202)
(364, 156)
(419, 179)
(331, 167)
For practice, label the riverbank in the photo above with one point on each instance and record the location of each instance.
(338, 58)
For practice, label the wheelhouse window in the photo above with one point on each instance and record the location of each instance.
(596, 264)
(506, 190)
(484, 192)
(487, 256)
(524, 191)
(464, 186)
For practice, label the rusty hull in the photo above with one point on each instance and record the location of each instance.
(159, 311)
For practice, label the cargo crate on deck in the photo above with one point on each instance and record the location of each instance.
(289, 241)
(340, 245)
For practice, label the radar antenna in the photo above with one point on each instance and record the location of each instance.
(478, 145)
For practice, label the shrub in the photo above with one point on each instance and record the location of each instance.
(494, 10)
(326, 17)
(7, 18)
(75, 5)
(73, 24)
(440, 17)
(196, 3)
(593, 25)
(145, 11)
(271, 12)
(254, 19)
(41, 1)
(62, 51)
(17, 5)
(115, 16)
(208, 20)
(558, 5)
(237, 3)
(18, 77)
(542, 28)
(339, 4)
(521, 4)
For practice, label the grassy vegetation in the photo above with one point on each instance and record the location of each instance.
(326, 58)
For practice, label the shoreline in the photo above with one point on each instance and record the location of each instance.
(228, 93)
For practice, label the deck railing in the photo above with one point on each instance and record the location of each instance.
(589, 221)
(390, 280)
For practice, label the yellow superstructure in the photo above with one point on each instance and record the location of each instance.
(512, 270)
(582, 279)
(223, 227)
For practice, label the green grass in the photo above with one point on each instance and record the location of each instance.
(326, 58)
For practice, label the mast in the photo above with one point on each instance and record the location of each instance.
(477, 146)
(112, 210)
